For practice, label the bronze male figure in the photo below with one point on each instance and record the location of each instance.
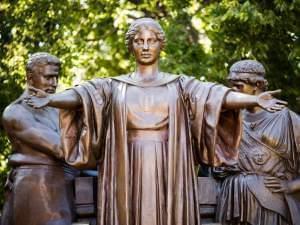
(36, 187)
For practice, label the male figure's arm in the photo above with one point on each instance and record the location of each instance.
(21, 124)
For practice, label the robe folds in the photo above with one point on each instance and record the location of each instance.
(270, 147)
(197, 130)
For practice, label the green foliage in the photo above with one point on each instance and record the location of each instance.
(264, 30)
(203, 39)
(4, 168)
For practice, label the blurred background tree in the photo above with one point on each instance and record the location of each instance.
(203, 39)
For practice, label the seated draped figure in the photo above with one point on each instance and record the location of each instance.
(265, 187)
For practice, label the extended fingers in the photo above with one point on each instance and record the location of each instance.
(36, 92)
(271, 178)
(33, 89)
(273, 186)
(277, 107)
(281, 102)
(270, 109)
(27, 100)
(275, 92)
(30, 102)
(282, 189)
(272, 182)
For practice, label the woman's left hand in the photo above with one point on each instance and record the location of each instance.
(276, 185)
(266, 101)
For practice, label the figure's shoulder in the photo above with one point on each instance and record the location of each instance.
(99, 82)
(192, 78)
(285, 112)
(184, 77)
(177, 78)
(284, 118)
(171, 75)
(291, 112)
(294, 117)
(14, 113)
(124, 78)
(192, 81)
(121, 76)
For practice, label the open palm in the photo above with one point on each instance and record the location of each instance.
(269, 103)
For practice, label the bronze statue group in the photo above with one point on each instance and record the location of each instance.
(147, 148)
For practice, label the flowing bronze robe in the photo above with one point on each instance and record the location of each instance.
(269, 147)
(195, 128)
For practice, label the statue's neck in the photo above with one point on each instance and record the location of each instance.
(147, 72)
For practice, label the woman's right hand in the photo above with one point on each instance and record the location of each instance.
(37, 98)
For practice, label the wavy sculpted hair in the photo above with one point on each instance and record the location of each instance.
(39, 59)
(249, 71)
(147, 23)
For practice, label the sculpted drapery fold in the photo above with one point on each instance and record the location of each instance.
(293, 200)
(212, 126)
(83, 131)
(196, 126)
(269, 148)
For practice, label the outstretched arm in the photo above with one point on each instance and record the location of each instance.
(21, 124)
(68, 99)
(265, 100)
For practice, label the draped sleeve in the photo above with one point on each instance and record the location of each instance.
(215, 132)
(83, 130)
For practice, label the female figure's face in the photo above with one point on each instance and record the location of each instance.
(146, 47)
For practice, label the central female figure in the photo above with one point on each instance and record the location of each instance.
(147, 131)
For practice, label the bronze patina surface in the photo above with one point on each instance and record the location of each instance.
(266, 188)
(39, 185)
(147, 131)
